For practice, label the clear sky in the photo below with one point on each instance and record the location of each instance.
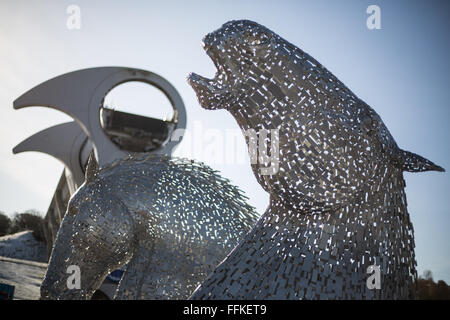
(401, 70)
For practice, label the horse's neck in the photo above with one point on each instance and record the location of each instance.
(295, 254)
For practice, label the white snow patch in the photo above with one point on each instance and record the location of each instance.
(23, 245)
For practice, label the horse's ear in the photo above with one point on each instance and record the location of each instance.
(414, 163)
(91, 168)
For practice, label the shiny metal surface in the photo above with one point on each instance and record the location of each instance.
(64, 142)
(80, 94)
(337, 203)
(170, 220)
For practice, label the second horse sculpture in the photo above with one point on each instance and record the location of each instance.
(170, 220)
(337, 206)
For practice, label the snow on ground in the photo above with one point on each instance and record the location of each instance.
(23, 245)
(21, 257)
(25, 276)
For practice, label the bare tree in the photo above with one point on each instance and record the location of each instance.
(428, 275)
(29, 220)
(5, 224)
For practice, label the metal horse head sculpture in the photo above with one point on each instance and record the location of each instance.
(337, 201)
(170, 220)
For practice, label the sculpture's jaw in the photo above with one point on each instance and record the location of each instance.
(213, 93)
(232, 48)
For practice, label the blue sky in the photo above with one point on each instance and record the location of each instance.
(402, 71)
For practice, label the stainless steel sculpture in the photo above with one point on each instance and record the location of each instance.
(171, 220)
(80, 94)
(337, 203)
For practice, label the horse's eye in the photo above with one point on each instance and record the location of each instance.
(72, 210)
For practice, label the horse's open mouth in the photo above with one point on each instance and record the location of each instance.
(212, 93)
